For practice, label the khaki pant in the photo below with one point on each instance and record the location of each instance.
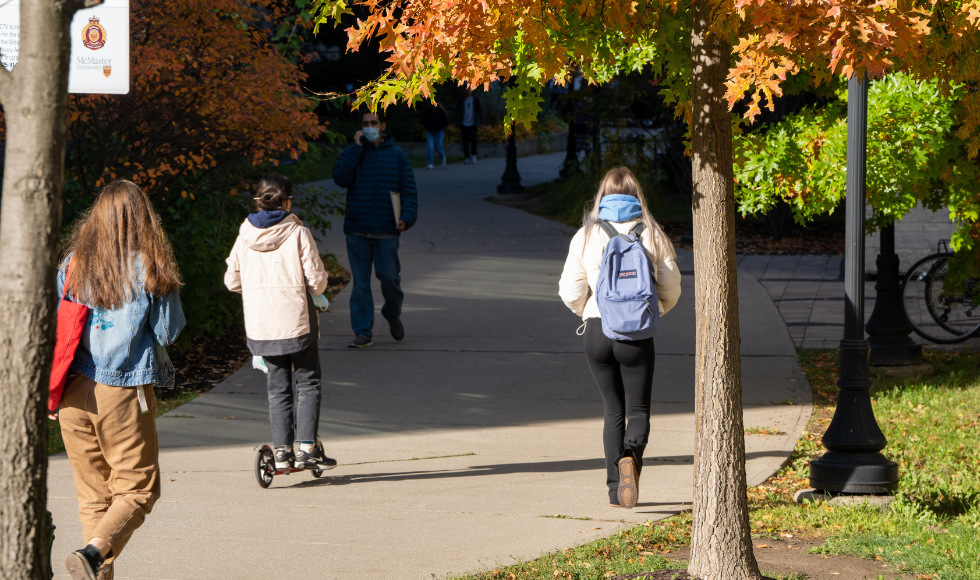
(113, 451)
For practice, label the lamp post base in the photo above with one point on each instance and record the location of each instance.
(889, 327)
(865, 473)
(895, 351)
(508, 188)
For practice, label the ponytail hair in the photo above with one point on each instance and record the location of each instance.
(273, 192)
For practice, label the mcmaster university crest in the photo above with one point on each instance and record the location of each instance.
(93, 35)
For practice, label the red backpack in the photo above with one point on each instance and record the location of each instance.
(71, 322)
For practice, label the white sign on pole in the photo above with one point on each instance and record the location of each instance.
(99, 46)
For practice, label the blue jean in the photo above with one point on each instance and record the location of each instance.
(362, 252)
(433, 143)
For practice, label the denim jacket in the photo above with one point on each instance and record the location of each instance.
(117, 346)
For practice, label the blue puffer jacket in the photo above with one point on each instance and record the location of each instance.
(370, 173)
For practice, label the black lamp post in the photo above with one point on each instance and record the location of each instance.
(853, 462)
(570, 164)
(889, 326)
(510, 181)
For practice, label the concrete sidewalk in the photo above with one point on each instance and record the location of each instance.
(458, 445)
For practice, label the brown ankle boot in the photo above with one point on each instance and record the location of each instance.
(629, 490)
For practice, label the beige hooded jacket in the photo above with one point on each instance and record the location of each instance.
(273, 268)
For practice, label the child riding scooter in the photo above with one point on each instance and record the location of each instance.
(276, 267)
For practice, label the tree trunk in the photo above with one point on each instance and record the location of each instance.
(35, 101)
(721, 547)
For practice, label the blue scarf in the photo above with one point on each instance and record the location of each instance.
(619, 208)
(266, 219)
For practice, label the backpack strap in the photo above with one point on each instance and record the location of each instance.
(608, 228)
(613, 232)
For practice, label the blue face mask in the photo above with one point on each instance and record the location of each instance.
(372, 133)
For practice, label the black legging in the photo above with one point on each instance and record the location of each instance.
(623, 371)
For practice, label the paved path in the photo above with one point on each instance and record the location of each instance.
(809, 293)
(457, 444)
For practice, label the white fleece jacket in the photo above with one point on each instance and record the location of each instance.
(578, 280)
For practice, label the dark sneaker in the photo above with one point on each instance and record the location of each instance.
(360, 342)
(315, 459)
(284, 457)
(628, 485)
(84, 564)
(397, 329)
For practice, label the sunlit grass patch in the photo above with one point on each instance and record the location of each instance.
(933, 426)
(763, 431)
(637, 549)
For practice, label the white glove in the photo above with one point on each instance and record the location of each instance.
(259, 364)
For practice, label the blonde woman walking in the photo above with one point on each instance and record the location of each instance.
(622, 369)
(122, 267)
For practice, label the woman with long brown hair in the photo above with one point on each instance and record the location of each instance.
(119, 263)
(622, 369)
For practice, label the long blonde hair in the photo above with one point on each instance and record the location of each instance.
(119, 227)
(620, 180)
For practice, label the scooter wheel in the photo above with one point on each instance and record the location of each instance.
(317, 472)
(265, 467)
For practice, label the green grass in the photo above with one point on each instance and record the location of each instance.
(631, 551)
(57, 445)
(932, 425)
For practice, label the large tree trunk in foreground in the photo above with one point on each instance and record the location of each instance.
(35, 102)
(721, 544)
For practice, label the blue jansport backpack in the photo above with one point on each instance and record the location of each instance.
(626, 292)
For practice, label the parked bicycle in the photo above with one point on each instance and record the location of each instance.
(938, 315)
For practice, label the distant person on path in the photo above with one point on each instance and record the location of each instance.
(376, 173)
(435, 119)
(120, 264)
(469, 115)
(622, 369)
(277, 269)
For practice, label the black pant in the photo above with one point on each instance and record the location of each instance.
(469, 141)
(305, 367)
(623, 371)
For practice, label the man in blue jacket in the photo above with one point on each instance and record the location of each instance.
(372, 170)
